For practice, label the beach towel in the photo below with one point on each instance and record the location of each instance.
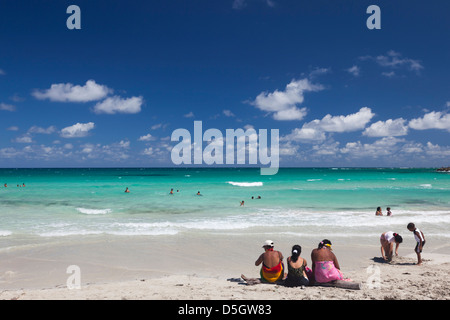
(325, 271)
(272, 274)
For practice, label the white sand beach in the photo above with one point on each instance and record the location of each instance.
(212, 274)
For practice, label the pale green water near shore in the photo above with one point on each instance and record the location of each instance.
(340, 202)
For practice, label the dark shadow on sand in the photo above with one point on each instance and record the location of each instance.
(393, 262)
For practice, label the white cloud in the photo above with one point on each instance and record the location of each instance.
(158, 153)
(431, 120)
(36, 129)
(283, 104)
(354, 70)
(13, 128)
(388, 128)
(125, 144)
(78, 130)
(157, 126)
(228, 113)
(412, 147)
(318, 72)
(352, 122)
(7, 107)
(35, 152)
(288, 149)
(395, 60)
(316, 129)
(147, 137)
(380, 148)
(189, 115)
(23, 139)
(437, 151)
(67, 92)
(305, 135)
(117, 104)
(111, 152)
(9, 153)
(148, 151)
(88, 148)
(2, 72)
(329, 149)
(293, 113)
(388, 74)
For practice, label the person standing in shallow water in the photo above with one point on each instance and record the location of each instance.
(389, 213)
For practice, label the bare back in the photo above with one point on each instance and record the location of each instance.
(324, 255)
(270, 258)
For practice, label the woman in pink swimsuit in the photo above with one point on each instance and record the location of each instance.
(325, 265)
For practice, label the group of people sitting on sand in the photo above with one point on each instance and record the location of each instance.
(325, 265)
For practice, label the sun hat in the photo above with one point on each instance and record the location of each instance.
(268, 243)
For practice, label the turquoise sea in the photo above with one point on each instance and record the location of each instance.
(338, 203)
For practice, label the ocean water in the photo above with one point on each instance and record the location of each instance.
(337, 203)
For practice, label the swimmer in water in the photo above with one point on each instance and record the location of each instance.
(389, 213)
(378, 212)
(199, 194)
(127, 191)
(171, 191)
(242, 203)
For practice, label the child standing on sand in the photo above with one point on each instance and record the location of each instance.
(420, 238)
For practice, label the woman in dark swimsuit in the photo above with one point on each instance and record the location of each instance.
(296, 269)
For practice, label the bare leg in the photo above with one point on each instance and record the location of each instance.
(419, 259)
(251, 281)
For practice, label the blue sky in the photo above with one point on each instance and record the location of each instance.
(112, 93)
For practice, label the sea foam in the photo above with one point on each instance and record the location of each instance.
(94, 211)
(246, 184)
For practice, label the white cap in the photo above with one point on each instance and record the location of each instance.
(268, 243)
